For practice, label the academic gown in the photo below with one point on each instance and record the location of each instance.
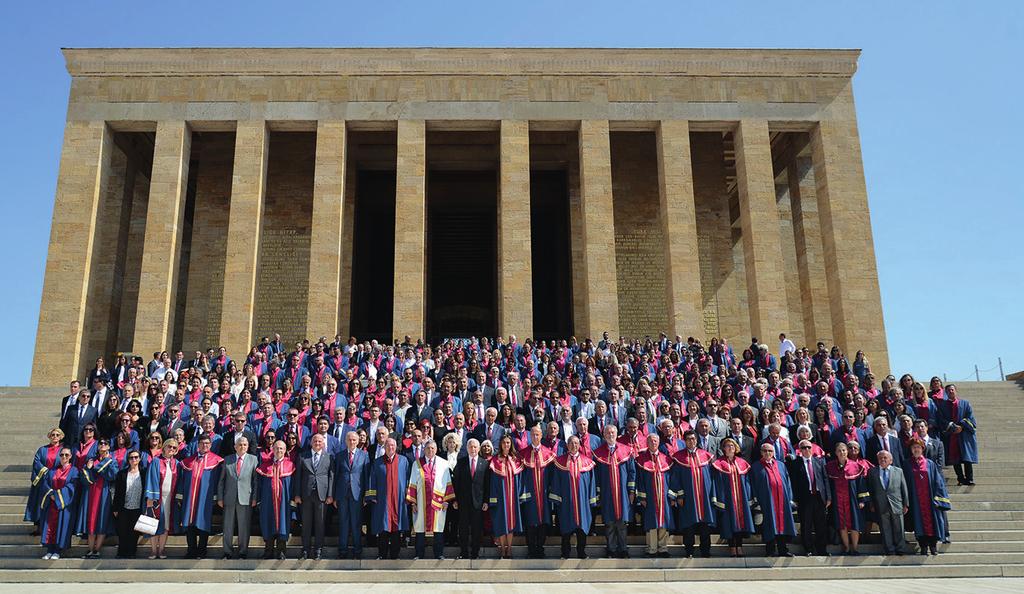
(386, 491)
(929, 500)
(506, 495)
(56, 505)
(430, 491)
(573, 490)
(616, 480)
(167, 513)
(732, 497)
(536, 479)
(198, 485)
(45, 460)
(275, 495)
(774, 494)
(848, 491)
(963, 446)
(652, 489)
(694, 488)
(97, 484)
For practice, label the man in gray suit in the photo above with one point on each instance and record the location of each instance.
(890, 500)
(745, 441)
(313, 492)
(235, 496)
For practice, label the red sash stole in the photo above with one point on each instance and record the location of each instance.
(83, 454)
(734, 468)
(275, 471)
(695, 464)
(612, 461)
(508, 468)
(777, 492)
(198, 465)
(392, 497)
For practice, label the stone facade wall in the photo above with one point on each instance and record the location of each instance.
(281, 281)
(639, 239)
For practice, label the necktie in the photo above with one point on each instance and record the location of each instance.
(238, 467)
(316, 460)
(810, 473)
(885, 478)
(81, 413)
(472, 468)
(885, 442)
(351, 458)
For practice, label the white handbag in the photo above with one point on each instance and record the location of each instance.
(146, 524)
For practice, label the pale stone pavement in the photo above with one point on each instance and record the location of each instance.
(931, 586)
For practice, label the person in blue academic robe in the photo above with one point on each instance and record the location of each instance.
(693, 486)
(505, 495)
(616, 488)
(536, 478)
(573, 490)
(959, 435)
(97, 484)
(769, 483)
(929, 500)
(732, 496)
(386, 491)
(56, 505)
(198, 485)
(46, 459)
(273, 496)
(162, 478)
(654, 495)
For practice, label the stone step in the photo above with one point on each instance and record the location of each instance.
(498, 572)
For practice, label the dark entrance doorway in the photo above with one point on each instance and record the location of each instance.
(462, 271)
(551, 253)
(373, 256)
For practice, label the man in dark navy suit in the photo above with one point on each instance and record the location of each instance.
(80, 414)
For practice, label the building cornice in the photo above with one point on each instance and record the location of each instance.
(121, 62)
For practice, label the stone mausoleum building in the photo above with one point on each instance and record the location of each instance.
(209, 196)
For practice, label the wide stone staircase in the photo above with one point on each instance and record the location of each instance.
(986, 524)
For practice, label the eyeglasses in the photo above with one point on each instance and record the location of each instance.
(89, 430)
(65, 455)
(805, 447)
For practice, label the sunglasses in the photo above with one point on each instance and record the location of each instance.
(89, 430)
(65, 455)
(805, 447)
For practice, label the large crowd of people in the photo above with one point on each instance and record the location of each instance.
(397, 445)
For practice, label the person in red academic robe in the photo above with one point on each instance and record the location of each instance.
(536, 509)
(56, 504)
(162, 478)
(694, 491)
(848, 495)
(774, 495)
(653, 496)
(97, 486)
(273, 496)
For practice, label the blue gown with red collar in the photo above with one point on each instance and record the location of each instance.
(616, 481)
(573, 491)
(506, 494)
(693, 488)
(653, 493)
(732, 497)
(386, 491)
(773, 493)
(97, 484)
(536, 479)
(197, 487)
(275, 496)
(57, 503)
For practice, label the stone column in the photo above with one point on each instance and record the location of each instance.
(410, 230)
(245, 226)
(759, 220)
(81, 179)
(325, 237)
(810, 263)
(165, 217)
(601, 301)
(849, 248)
(515, 276)
(679, 224)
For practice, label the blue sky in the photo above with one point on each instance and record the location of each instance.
(938, 98)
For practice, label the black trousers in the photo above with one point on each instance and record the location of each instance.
(421, 545)
(535, 537)
(581, 544)
(471, 528)
(197, 541)
(964, 471)
(389, 545)
(813, 525)
(127, 538)
(779, 544)
(313, 522)
(704, 531)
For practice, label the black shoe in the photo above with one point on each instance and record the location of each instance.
(319, 555)
(281, 556)
(705, 555)
(664, 555)
(898, 553)
(624, 555)
(267, 555)
(651, 555)
(584, 556)
(808, 554)
(970, 483)
(924, 552)
(191, 556)
(303, 556)
(243, 555)
(226, 556)
(785, 554)
(934, 551)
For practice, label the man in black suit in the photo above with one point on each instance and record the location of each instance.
(469, 481)
(79, 414)
(68, 401)
(813, 493)
(172, 421)
(745, 441)
(238, 431)
(314, 491)
(881, 440)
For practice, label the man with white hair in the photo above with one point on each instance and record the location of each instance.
(490, 430)
(430, 491)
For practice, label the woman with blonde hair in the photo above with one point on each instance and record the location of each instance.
(161, 482)
(46, 459)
